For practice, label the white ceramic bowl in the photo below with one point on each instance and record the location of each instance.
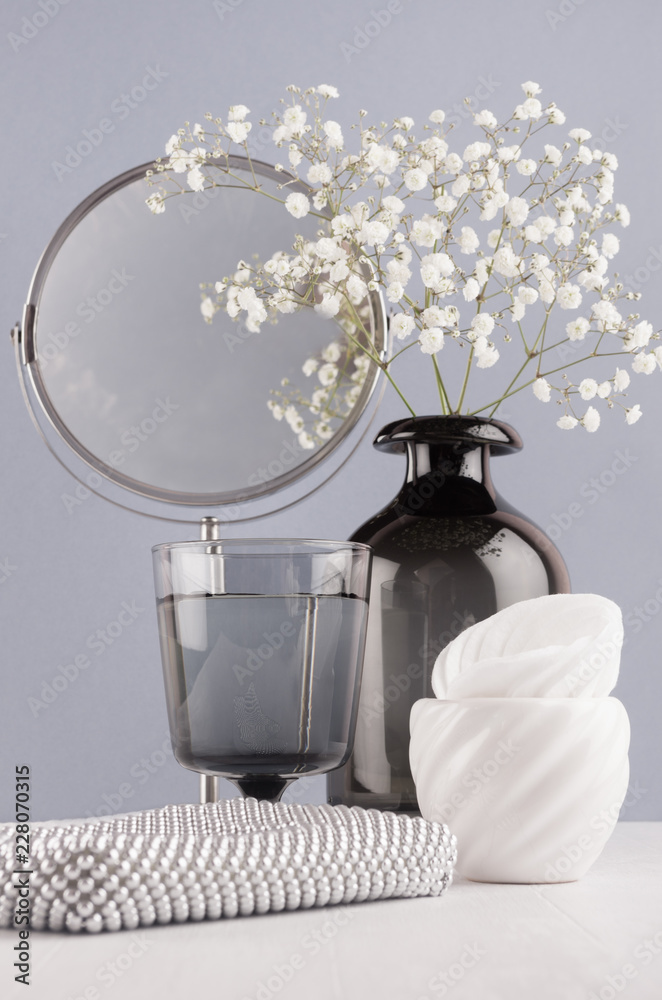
(531, 787)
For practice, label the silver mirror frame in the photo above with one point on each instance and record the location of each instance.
(277, 494)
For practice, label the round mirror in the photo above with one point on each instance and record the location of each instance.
(151, 406)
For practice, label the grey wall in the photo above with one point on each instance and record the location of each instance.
(68, 572)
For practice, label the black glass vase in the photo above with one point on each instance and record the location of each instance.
(448, 552)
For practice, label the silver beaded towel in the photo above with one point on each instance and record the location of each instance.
(230, 858)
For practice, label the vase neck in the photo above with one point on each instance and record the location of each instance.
(447, 479)
(448, 460)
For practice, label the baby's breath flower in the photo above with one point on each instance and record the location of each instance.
(551, 241)
(431, 341)
(238, 112)
(327, 374)
(297, 204)
(471, 289)
(527, 295)
(526, 167)
(476, 151)
(482, 324)
(588, 388)
(195, 179)
(563, 236)
(294, 119)
(173, 143)
(435, 267)
(531, 108)
(238, 130)
(569, 296)
(393, 204)
(622, 214)
(306, 440)
(610, 245)
(382, 158)
(542, 390)
(555, 116)
(334, 136)
(507, 263)
(639, 335)
(415, 179)
(332, 352)
(155, 203)
(294, 419)
(402, 326)
(329, 306)
(553, 155)
(517, 211)
(323, 429)
(577, 329)
(426, 231)
(445, 203)
(460, 185)
(644, 364)
(591, 420)
(319, 173)
(468, 241)
(621, 380)
(486, 119)
(207, 308)
(486, 353)
(453, 163)
(507, 154)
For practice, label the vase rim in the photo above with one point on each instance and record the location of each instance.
(442, 429)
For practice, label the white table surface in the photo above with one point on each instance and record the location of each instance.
(597, 938)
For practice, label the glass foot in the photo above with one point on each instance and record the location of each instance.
(267, 787)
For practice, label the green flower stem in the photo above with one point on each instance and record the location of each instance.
(519, 326)
(402, 397)
(466, 381)
(259, 190)
(401, 351)
(494, 405)
(540, 350)
(531, 355)
(382, 364)
(443, 395)
(579, 361)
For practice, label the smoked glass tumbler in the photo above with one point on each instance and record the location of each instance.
(262, 647)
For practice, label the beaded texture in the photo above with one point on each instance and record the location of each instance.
(225, 859)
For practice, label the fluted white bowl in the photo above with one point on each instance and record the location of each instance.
(531, 787)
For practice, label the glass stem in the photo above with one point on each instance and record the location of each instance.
(308, 674)
(267, 787)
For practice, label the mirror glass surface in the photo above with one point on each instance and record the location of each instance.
(134, 379)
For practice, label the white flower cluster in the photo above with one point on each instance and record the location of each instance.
(394, 214)
(337, 375)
